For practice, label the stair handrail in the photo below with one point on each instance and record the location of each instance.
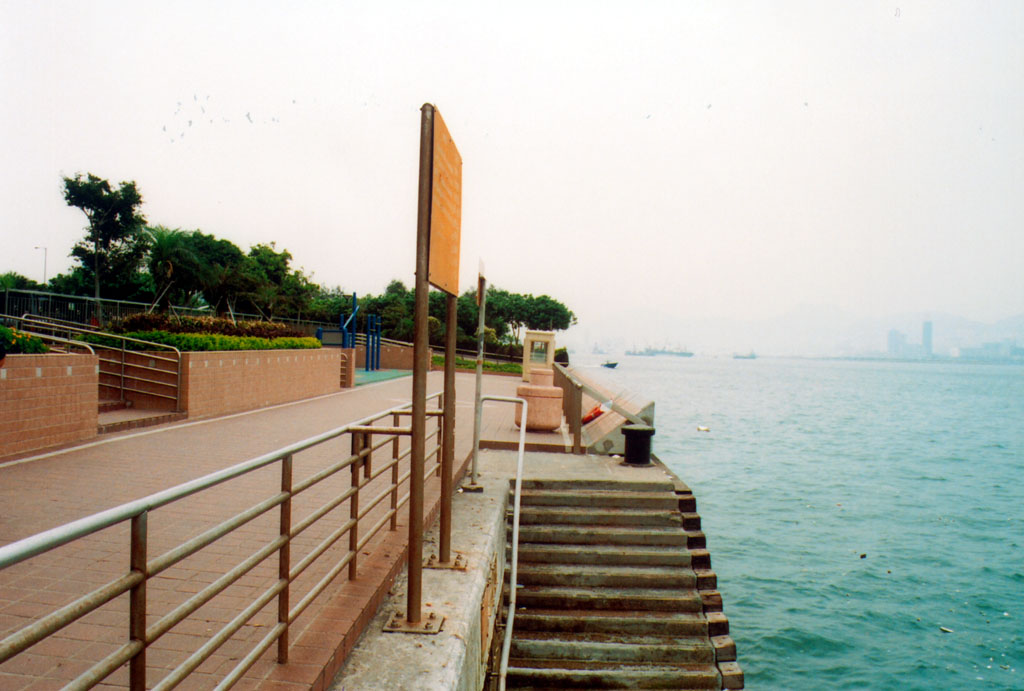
(506, 645)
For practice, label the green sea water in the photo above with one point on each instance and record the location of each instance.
(854, 510)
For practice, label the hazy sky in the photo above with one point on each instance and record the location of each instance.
(644, 162)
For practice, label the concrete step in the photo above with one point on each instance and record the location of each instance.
(706, 579)
(695, 539)
(533, 515)
(610, 675)
(133, 418)
(633, 649)
(616, 485)
(613, 622)
(602, 498)
(691, 520)
(602, 535)
(611, 555)
(622, 599)
(580, 576)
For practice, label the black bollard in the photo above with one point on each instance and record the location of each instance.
(638, 444)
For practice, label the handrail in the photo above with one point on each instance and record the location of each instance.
(604, 400)
(61, 535)
(506, 645)
(58, 339)
(572, 404)
(44, 321)
(141, 569)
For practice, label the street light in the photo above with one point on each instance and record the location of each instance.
(44, 263)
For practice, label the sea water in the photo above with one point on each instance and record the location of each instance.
(865, 519)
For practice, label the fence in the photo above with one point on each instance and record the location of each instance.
(157, 608)
(81, 310)
(572, 404)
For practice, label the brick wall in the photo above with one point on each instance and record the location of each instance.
(219, 383)
(46, 400)
(391, 357)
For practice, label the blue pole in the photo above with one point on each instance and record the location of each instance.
(376, 354)
(368, 360)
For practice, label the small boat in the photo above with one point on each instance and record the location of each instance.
(748, 356)
(609, 364)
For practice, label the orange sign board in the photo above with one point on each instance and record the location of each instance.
(445, 210)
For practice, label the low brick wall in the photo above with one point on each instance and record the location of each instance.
(223, 382)
(47, 400)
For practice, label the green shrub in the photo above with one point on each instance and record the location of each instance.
(211, 325)
(17, 342)
(204, 341)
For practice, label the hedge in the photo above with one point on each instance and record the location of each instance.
(192, 342)
(195, 325)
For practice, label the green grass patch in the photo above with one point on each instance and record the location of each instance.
(500, 367)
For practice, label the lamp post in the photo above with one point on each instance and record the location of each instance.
(38, 247)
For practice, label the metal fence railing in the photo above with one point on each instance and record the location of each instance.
(312, 545)
(572, 404)
(81, 310)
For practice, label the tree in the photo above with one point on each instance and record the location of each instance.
(221, 279)
(175, 268)
(15, 281)
(112, 246)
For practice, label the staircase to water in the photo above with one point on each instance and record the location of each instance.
(615, 591)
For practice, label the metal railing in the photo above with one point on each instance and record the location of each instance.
(155, 371)
(506, 644)
(144, 628)
(80, 309)
(572, 404)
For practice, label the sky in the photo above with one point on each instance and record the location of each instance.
(647, 163)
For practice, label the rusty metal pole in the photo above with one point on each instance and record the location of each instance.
(481, 301)
(137, 602)
(421, 356)
(448, 442)
(284, 558)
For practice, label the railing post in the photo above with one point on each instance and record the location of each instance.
(396, 420)
(368, 461)
(353, 532)
(577, 417)
(448, 435)
(122, 372)
(441, 405)
(284, 558)
(137, 602)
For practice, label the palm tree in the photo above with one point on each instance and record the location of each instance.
(172, 264)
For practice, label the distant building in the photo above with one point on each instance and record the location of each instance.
(926, 339)
(897, 343)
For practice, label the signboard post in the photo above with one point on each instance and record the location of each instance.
(438, 229)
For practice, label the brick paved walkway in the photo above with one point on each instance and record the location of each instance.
(45, 491)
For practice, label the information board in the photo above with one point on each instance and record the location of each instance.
(445, 210)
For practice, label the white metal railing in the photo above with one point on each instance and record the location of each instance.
(506, 644)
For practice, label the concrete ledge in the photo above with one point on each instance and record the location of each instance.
(455, 658)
